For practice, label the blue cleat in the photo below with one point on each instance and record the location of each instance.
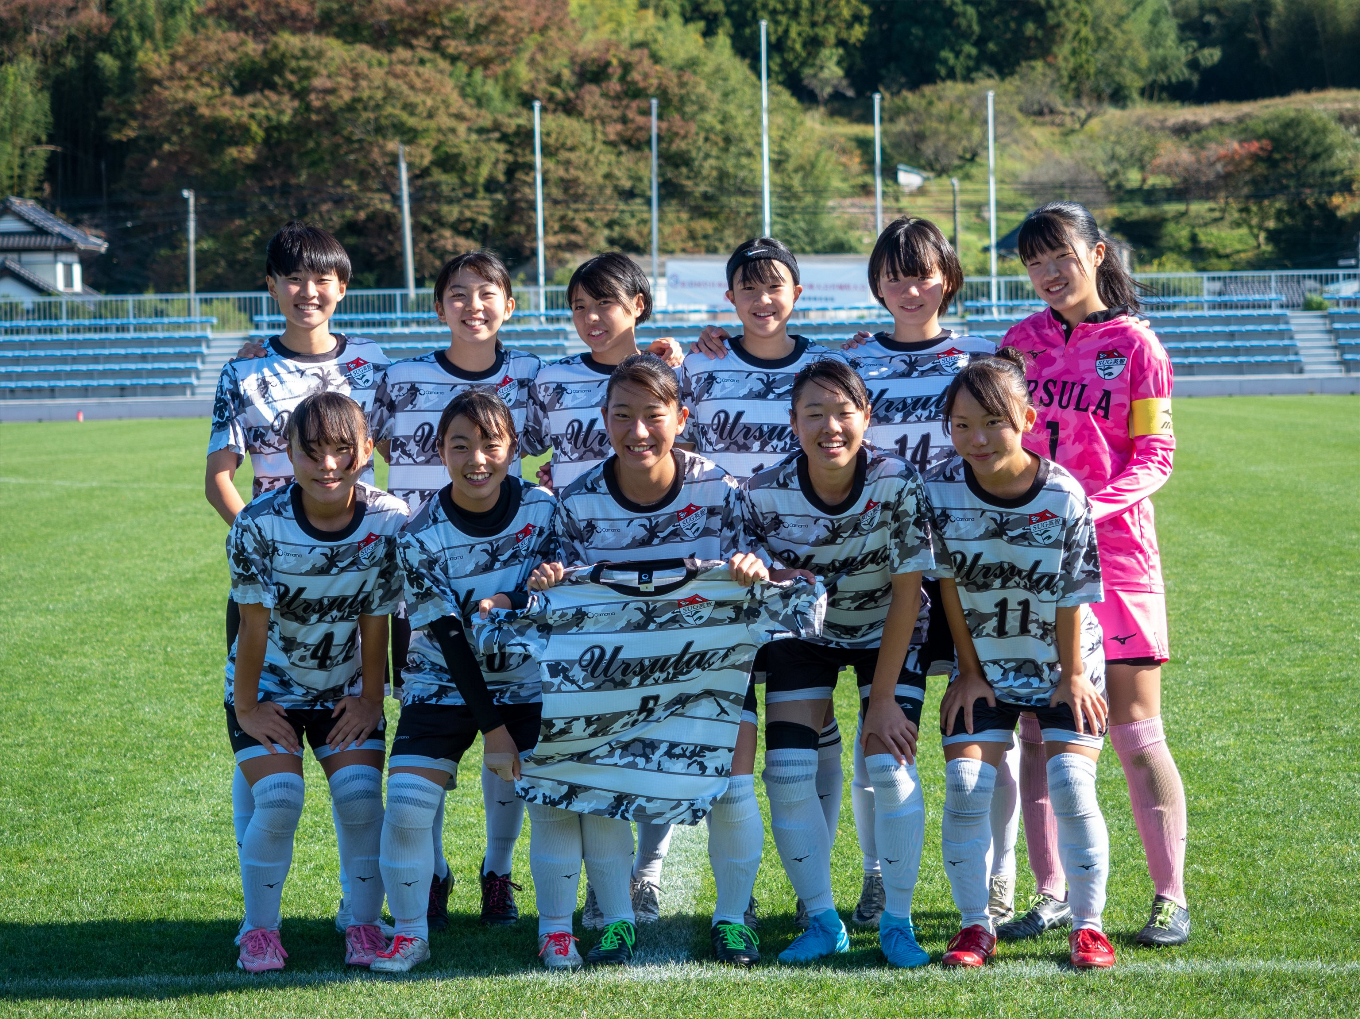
(897, 939)
(825, 936)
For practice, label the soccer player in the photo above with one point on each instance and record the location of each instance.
(307, 271)
(1101, 384)
(314, 572)
(1015, 551)
(856, 517)
(480, 534)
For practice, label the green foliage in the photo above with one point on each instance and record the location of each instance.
(940, 127)
(25, 119)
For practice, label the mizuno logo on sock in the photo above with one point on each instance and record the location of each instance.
(407, 884)
(570, 876)
(369, 878)
(1086, 866)
(800, 859)
(274, 885)
(886, 860)
(505, 803)
(955, 863)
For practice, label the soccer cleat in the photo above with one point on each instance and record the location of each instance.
(591, 917)
(558, 951)
(437, 914)
(801, 920)
(498, 900)
(734, 943)
(404, 953)
(1001, 898)
(1168, 925)
(344, 920)
(1090, 949)
(825, 936)
(871, 902)
(750, 918)
(970, 947)
(897, 939)
(646, 898)
(615, 947)
(1044, 914)
(363, 942)
(261, 951)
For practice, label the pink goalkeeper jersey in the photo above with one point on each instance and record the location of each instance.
(1104, 403)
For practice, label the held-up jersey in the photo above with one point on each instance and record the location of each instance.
(644, 671)
(739, 404)
(256, 396)
(700, 517)
(316, 585)
(413, 393)
(906, 383)
(1015, 562)
(450, 561)
(565, 413)
(1104, 403)
(880, 530)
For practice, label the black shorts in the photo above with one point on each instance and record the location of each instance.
(936, 655)
(997, 725)
(438, 735)
(312, 725)
(799, 670)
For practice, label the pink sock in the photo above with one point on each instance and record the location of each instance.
(1158, 799)
(1041, 827)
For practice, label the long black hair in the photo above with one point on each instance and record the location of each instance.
(1054, 226)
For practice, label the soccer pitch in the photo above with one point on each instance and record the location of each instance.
(119, 892)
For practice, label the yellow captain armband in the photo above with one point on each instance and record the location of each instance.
(1150, 417)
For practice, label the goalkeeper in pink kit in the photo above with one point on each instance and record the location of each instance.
(1101, 383)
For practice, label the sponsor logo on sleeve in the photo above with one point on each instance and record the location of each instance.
(691, 520)
(1045, 526)
(369, 548)
(359, 372)
(868, 517)
(952, 360)
(1110, 364)
(695, 609)
(507, 389)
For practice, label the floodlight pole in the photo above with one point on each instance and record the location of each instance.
(407, 249)
(954, 183)
(991, 186)
(764, 129)
(188, 193)
(538, 205)
(878, 166)
(656, 215)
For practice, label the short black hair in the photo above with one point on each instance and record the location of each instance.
(327, 419)
(298, 246)
(915, 247)
(831, 373)
(615, 275)
(485, 410)
(996, 383)
(481, 262)
(754, 261)
(648, 373)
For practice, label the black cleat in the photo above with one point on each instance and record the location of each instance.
(437, 914)
(750, 918)
(1168, 925)
(498, 900)
(1045, 913)
(735, 944)
(615, 947)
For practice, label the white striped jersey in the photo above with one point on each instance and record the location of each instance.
(906, 383)
(316, 585)
(1015, 562)
(739, 404)
(413, 393)
(566, 413)
(644, 671)
(701, 516)
(451, 560)
(880, 530)
(256, 396)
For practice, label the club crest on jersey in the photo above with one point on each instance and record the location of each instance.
(369, 547)
(1110, 364)
(359, 372)
(691, 520)
(952, 360)
(507, 389)
(695, 609)
(1044, 526)
(868, 517)
(523, 537)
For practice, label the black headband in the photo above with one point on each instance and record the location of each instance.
(759, 253)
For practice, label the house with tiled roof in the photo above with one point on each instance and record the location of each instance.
(40, 252)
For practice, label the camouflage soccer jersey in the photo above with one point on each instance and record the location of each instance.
(1015, 562)
(644, 670)
(256, 396)
(565, 412)
(411, 396)
(739, 404)
(880, 530)
(316, 585)
(450, 562)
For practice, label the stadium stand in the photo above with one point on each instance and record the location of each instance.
(1346, 328)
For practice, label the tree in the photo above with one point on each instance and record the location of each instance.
(939, 127)
(25, 119)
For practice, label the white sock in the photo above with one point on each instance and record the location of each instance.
(344, 916)
(798, 824)
(407, 860)
(899, 828)
(830, 777)
(242, 806)
(736, 838)
(504, 818)
(1005, 813)
(607, 847)
(267, 848)
(1083, 840)
(356, 797)
(555, 862)
(441, 865)
(862, 802)
(966, 837)
(653, 843)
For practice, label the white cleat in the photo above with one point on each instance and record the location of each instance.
(558, 951)
(405, 953)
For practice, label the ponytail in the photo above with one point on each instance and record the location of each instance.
(997, 383)
(1056, 225)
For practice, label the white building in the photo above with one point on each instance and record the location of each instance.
(40, 253)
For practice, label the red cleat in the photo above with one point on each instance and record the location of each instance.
(1090, 950)
(972, 946)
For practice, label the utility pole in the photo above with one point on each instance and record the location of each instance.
(538, 207)
(954, 183)
(991, 186)
(188, 193)
(407, 248)
(656, 214)
(878, 166)
(765, 128)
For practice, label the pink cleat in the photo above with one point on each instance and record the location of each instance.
(363, 942)
(261, 951)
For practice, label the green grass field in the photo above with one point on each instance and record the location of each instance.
(118, 885)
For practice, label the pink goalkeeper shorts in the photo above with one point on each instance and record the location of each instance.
(1135, 625)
